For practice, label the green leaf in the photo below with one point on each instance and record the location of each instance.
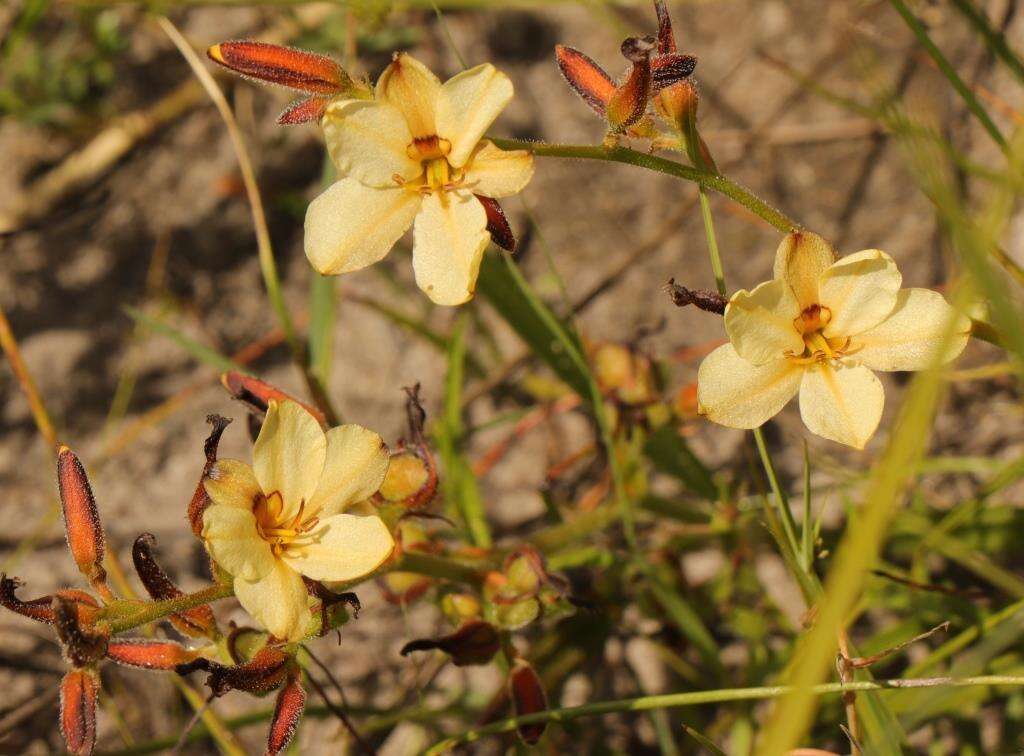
(499, 288)
(670, 454)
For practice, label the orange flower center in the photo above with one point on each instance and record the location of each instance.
(278, 530)
(438, 174)
(817, 347)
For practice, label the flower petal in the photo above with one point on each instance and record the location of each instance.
(841, 402)
(368, 140)
(912, 337)
(800, 260)
(278, 601)
(231, 483)
(494, 172)
(760, 323)
(449, 240)
(234, 543)
(734, 392)
(289, 455)
(347, 547)
(467, 105)
(357, 461)
(352, 225)
(411, 87)
(860, 290)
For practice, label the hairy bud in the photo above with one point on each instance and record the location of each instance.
(629, 103)
(81, 647)
(148, 654)
(81, 517)
(288, 708)
(286, 66)
(78, 693)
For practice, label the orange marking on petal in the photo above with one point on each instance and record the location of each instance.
(586, 77)
(297, 69)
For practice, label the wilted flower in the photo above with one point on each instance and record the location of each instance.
(416, 153)
(284, 518)
(820, 328)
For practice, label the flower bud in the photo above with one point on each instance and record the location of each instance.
(475, 642)
(497, 223)
(629, 103)
(676, 104)
(81, 517)
(257, 394)
(78, 693)
(288, 708)
(295, 69)
(148, 654)
(195, 622)
(459, 607)
(528, 697)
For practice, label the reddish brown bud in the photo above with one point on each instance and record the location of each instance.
(148, 654)
(527, 694)
(78, 692)
(475, 642)
(257, 394)
(81, 647)
(41, 609)
(497, 224)
(197, 621)
(586, 78)
(296, 69)
(200, 499)
(288, 708)
(629, 103)
(81, 517)
(666, 39)
(708, 301)
(304, 111)
(262, 674)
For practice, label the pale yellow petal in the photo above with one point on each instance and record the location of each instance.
(278, 601)
(369, 141)
(761, 323)
(497, 173)
(734, 392)
(352, 225)
(467, 105)
(411, 87)
(289, 455)
(860, 291)
(449, 239)
(841, 402)
(799, 261)
(232, 483)
(912, 337)
(234, 543)
(357, 461)
(347, 547)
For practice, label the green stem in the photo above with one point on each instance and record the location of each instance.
(949, 72)
(648, 703)
(442, 567)
(157, 610)
(709, 179)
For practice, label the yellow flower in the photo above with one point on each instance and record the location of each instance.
(820, 328)
(415, 153)
(283, 518)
